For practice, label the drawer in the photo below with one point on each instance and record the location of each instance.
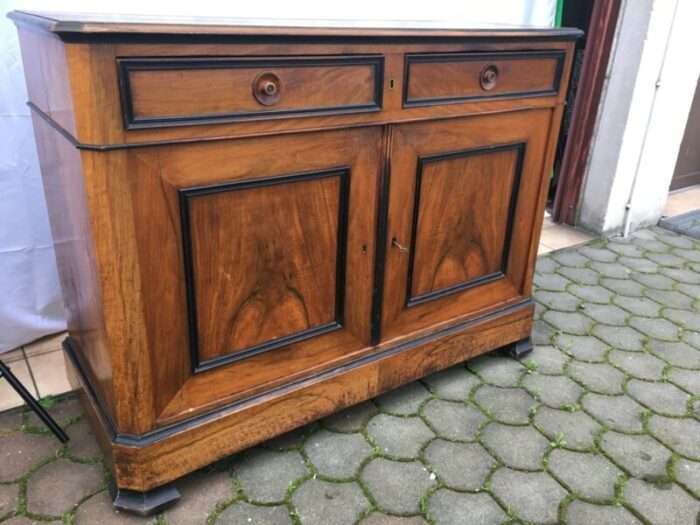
(158, 92)
(449, 78)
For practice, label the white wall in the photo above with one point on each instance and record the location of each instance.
(642, 115)
(31, 306)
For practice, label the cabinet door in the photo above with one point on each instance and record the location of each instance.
(464, 202)
(258, 260)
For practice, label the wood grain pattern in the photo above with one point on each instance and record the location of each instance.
(265, 261)
(268, 256)
(454, 77)
(462, 209)
(162, 91)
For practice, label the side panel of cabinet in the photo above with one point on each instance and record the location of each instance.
(460, 217)
(257, 259)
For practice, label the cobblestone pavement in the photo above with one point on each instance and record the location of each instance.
(599, 425)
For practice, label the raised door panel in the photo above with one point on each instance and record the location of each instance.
(258, 259)
(460, 221)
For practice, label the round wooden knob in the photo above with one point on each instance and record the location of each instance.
(267, 89)
(489, 77)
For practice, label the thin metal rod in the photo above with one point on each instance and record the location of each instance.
(33, 404)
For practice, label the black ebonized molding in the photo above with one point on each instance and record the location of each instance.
(380, 254)
(519, 147)
(131, 121)
(186, 194)
(147, 438)
(559, 55)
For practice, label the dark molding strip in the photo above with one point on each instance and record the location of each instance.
(418, 58)
(143, 440)
(519, 148)
(185, 194)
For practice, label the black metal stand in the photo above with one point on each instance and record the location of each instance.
(143, 503)
(518, 349)
(33, 404)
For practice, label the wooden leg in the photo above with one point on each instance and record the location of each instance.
(144, 503)
(518, 349)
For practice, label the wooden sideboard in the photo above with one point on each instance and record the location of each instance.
(258, 225)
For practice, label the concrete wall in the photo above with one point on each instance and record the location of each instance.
(643, 111)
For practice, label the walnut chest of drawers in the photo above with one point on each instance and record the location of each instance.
(259, 225)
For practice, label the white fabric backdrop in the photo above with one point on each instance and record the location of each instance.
(30, 297)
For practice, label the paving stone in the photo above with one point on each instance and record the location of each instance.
(661, 504)
(533, 496)
(653, 280)
(517, 447)
(351, 419)
(620, 337)
(455, 508)
(591, 475)
(577, 428)
(404, 400)
(678, 354)
(539, 310)
(291, 440)
(651, 245)
(498, 371)
(542, 333)
(693, 290)
(83, 442)
(582, 513)
(598, 254)
(688, 473)
(671, 238)
(321, 502)
(694, 267)
(9, 498)
(10, 421)
(656, 328)
(548, 359)
(687, 319)
(553, 391)
(265, 476)
(569, 323)
(580, 275)
(546, 265)
(461, 466)
(683, 275)
(507, 405)
(641, 456)
(20, 451)
(598, 377)
(615, 270)
(244, 513)
(640, 265)
(625, 248)
(662, 398)
(401, 437)
(672, 298)
(622, 287)
(678, 434)
(686, 379)
(638, 305)
(453, 383)
(667, 259)
(688, 255)
(59, 486)
(642, 365)
(617, 412)
(63, 411)
(200, 492)
(562, 301)
(584, 348)
(379, 518)
(605, 313)
(570, 258)
(692, 338)
(397, 486)
(453, 420)
(591, 294)
(99, 509)
(551, 281)
(338, 455)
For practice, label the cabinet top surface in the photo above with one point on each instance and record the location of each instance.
(87, 24)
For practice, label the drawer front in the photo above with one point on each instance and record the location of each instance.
(158, 92)
(449, 78)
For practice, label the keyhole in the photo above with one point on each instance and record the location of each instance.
(392, 83)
